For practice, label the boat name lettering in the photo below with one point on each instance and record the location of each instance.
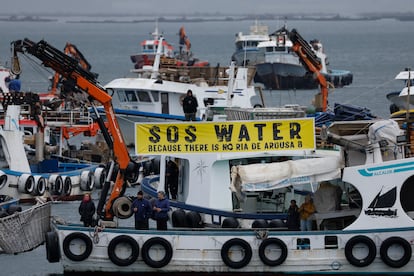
(381, 172)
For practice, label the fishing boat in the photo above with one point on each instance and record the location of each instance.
(169, 57)
(156, 93)
(31, 164)
(282, 69)
(247, 52)
(371, 159)
(401, 100)
(369, 232)
(277, 66)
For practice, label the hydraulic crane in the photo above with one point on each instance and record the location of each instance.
(122, 168)
(311, 62)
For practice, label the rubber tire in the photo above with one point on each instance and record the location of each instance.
(67, 186)
(157, 241)
(360, 262)
(236, 242)
(395, 263)
(260, 223)
(73, 236)
(193, 219)
(178, 218)
(40, 186)
(52, 247)
(123, 239)
(230, 223)
(279, 243)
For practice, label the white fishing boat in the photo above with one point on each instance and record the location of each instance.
(156, 94)
(282, 69)
(30, 165)
(370, 232)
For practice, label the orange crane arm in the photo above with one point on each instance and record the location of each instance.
(311, 62)
(84, 81)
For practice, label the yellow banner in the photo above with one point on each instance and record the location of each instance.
(229, 136)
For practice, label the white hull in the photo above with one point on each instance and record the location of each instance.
(200, 251)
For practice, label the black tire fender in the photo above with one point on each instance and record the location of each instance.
(273, 242)
(67, 186)
(52, 247)
(225, 250)
(372, 251)
(146, 247)
(405, 245)
(123, 239)
(40, 185)
(26, 183)
(56, 184)
(77, 236)
(87, 181)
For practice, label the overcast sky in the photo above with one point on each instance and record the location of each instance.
(343, 7)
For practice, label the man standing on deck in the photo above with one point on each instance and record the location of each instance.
(161, 208)
(190, 105)
(142, 211)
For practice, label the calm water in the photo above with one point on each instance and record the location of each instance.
(374, 51)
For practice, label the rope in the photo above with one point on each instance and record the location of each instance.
(95, 234)
(261, 234)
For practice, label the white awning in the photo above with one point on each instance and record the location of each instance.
(264, 177)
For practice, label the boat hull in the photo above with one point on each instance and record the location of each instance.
(232, 251)
(282, 76)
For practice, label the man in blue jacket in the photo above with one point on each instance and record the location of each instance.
(142, 210)
(161, 208)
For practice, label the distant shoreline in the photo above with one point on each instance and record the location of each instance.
(200, 19)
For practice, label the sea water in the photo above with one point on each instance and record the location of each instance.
(374, 51)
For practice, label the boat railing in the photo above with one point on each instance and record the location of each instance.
(68, 117)
(236, 113)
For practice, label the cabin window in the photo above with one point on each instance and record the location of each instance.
(280, 49)
(144, 97)
(269, 49)
(121, 96)
(155, 96)
(131, 97)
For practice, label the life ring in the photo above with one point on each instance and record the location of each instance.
(87, 181)
(52, 247)
(360, 262)
(257, 106)
(67, 186)
(26, 183)
(400, 242)
(157, 241)
(225, 250)
(122, 207)
(3, 179)
(77, 236)
(273, 242)
(127, 241)
(100, 177)
(56, 184)
(40, 185)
